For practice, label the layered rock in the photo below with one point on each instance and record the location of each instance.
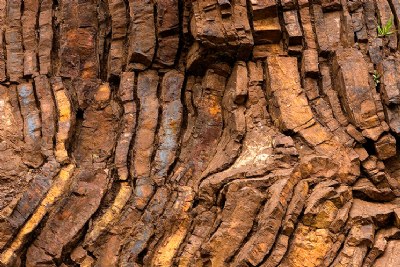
(199, 133)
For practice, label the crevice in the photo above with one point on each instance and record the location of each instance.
(182, 45)
(141, 255)
(107, 39)
(157, 37)
(131, 155)
(369, 146)
(156, 143)
(55, 49)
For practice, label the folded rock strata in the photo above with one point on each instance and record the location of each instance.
(199, 133)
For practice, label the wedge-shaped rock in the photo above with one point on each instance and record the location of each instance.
(236, 224)
(379, 213)
(270, 218)
(288, 104)
(203, 140)
(365, 188)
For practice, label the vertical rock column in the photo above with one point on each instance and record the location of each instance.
(32, 124)
(142, 37)
(355, 91)
(48, 114)
(143, 148)
(65, 120)
(29, 36)
(3, 19)
(167, 32)
(119, 27)
(45, 42)
(13, 34)
(126, 95)
(170, 126)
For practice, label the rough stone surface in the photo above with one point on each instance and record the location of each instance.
(199, 133)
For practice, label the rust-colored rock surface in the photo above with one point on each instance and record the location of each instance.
(196, 133)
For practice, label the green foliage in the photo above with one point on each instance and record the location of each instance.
(386, 29)
(377, 78)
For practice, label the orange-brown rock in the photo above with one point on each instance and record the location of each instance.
(220, 133)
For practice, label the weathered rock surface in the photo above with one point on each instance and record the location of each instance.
(199, 133)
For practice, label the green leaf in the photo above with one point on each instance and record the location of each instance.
(386, 29)
(389, 24)
(376, 76)
(380, 31)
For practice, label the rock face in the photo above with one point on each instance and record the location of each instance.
(199, 133)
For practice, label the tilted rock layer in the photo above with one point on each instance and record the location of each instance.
(199, 133)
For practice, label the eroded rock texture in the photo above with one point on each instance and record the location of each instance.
(199, 133)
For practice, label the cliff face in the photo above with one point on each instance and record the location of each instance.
(199, 133)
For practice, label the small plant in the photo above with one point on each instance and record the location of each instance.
(386, 30)
(377, 78)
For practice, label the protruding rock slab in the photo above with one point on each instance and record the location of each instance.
(352, 80)
(288, 105)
